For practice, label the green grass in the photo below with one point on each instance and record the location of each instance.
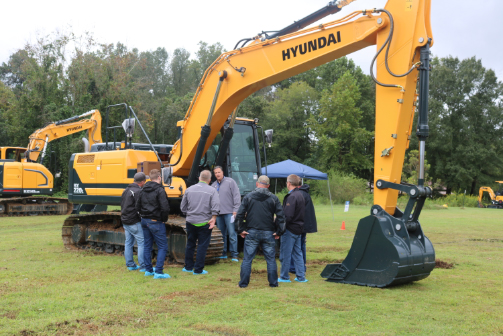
(45, 289)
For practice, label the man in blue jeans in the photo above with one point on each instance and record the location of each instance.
(153, 208)
(131, 222)
(230, 200)
(260, 229)
(310, 224)
(294, 208)
(201, 204)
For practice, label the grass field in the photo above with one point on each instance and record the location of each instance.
(45, 289)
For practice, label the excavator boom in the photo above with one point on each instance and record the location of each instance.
(59, 129)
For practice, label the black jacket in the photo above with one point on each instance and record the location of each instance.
(153, 202)
(258, 209)
(294, 208)
(129, 215)
(310, 224)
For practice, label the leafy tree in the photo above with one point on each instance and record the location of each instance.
(287, 115)
(465, 147)
(343, 143)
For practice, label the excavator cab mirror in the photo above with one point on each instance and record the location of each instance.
(128, 126)
(167, 174)
(268, 136)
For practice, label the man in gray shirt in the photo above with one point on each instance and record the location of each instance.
(201, 205)
(230, 200)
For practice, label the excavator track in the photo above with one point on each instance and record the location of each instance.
(103, 231)
(34, 206)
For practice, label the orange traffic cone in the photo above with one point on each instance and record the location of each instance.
(343, 226)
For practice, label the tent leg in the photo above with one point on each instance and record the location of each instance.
(330, 194)
(276, 187)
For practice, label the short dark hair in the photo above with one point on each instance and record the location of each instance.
(218, 167)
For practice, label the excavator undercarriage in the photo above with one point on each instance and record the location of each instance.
(103, 231)
(34, 206)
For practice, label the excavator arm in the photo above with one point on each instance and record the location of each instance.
(59, 129)
(389, 247)
(264, 63)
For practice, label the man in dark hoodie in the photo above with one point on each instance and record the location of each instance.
(310, 224)
(131, 222)
(260, 229)
(294, 208)
(153, 208)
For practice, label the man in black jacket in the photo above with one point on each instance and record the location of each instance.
(131, 222)
(260, 229)
(153, 208)
(294, 208)
(310, 224)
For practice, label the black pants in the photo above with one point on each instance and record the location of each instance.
(200, 236)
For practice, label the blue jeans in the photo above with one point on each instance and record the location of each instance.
(303, 248)
(200, 236)
(253, 240)
(290, 249)
(154, 231)
(224, 224)
(133, 232)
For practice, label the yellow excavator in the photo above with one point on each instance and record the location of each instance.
(495, 197)
(389, 247)
(25, 184)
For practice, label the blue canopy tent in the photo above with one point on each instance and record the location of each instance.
(284, 168)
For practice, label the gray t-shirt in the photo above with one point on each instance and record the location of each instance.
(230, 198)
(199, 203)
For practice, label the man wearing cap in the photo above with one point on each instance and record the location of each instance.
(201, 205)
(260, 229)
(230, 200)
(131, 222)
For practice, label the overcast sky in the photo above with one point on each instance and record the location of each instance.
(461, 28)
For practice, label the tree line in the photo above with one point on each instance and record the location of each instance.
(323, 118)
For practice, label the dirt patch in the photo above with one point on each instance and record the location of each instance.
(27, 332)
(224, 279)
(327, 249)
(323, 262)
(490, 240)
(12, 315)
(257, 271)
(443, 264)
(220, 330)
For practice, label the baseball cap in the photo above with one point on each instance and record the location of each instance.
(139, 177)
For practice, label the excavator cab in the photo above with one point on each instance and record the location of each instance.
(242, 161)
(12, 153)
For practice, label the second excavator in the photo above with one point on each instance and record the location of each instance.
(25, 184)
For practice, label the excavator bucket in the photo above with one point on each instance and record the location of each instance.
(384, 253)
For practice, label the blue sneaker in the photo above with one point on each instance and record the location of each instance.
(203, 272)
(283, 280)
(161, 276)
(186, 270)
(235, 259)
(147, 273)
(305, 280)
(222, 257)
(142, 270)
(134, 268)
